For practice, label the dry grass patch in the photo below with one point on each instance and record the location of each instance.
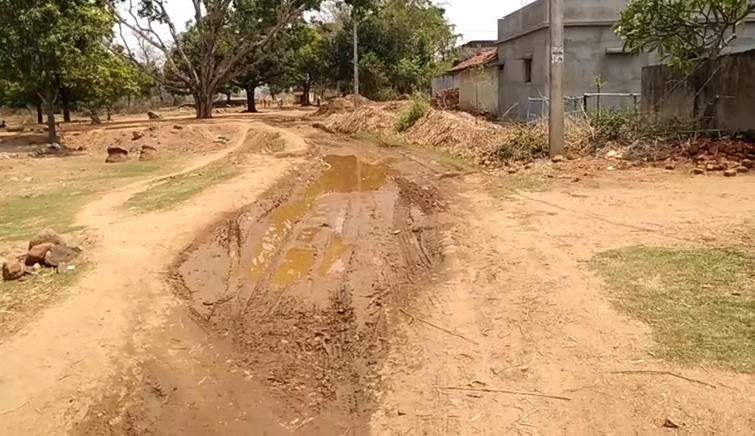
(700, 303)
(22, 300)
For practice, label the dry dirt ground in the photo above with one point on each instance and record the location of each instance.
(339, 288)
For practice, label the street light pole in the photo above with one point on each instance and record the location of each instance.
(556, 91)
(356, 56)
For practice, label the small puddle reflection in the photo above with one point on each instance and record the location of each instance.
(333, 253)
(295, 266)
(342, 174)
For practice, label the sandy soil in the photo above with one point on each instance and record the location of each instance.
(345, 289)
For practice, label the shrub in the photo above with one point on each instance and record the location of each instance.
(411, 114)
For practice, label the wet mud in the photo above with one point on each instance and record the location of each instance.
(294, 295)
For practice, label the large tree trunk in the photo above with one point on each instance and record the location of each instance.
(251, 105)
(228, 99)
(203, 104)
(40, 115)
(305, 97)
(66, 106)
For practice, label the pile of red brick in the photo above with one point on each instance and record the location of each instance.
(446, 99)
(730, 156)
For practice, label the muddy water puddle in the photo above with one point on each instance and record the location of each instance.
(342, 174)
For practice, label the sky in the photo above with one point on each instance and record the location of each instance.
(473, 19)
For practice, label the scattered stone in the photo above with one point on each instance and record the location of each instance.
(698, 170)
(730, 173)
(513, 170)
(15, 129)
(13, 179)
(742, 170)
(669, 423)
(712, 167)
(137, 134)
(557, 158)
(37, 253)
(149, 152)
(576, 179)
(153, 115)
(222, 139)
(45, 236)
(528, 166)
(670, 166)
(12, 270)
(748, 163)
(116, 154)
(61, 254)
(713, 151)
(178, 126)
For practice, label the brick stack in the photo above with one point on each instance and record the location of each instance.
(730, 156)
(446, 99)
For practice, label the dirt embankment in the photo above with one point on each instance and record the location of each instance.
(295, 293)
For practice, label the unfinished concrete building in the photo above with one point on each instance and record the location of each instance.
(591, 50)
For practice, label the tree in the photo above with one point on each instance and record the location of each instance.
(227, 32)
(402, 45)
(43, 41)
(681, 31)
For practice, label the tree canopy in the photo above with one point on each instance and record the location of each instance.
(681, 31)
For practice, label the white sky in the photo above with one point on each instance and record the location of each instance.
(474, 19)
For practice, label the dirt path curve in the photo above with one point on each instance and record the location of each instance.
(52, 371)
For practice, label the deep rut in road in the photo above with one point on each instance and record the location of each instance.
(300, 286)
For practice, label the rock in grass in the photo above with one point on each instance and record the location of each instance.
(44, 236)
(12, 270)
(61, 254)
(37, 253)
(116, 154)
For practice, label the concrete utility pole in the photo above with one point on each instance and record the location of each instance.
(556, 93)
(356, 57)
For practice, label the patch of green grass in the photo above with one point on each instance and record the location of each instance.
(21, 300)
(134, 168)
(409, 116)
(171, 191)
(22, 217)
(700, 303)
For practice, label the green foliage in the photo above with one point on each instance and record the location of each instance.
(681, 31)
(402, 45)
(409, 116)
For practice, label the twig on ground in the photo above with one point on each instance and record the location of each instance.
(305, 422)
(346, 432)
(65, 373)
(520, 421)
(503, 391)
(650, 371)
(437, 327)
(4, 412)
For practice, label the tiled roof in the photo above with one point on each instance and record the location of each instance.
(480, 58)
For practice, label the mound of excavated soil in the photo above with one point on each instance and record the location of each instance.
(458, 133)
(163, 136)
(334, 106)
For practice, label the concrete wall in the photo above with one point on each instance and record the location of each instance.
(485, 83)
(513, 91)
(445, 81)
(716, 95)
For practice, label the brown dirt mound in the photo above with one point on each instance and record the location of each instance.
(188, 139)
(460, 134)
(334, 106)
(364, 118)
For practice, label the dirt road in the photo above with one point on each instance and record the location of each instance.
(375, 290)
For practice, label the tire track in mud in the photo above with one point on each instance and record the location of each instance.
(302, 283)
